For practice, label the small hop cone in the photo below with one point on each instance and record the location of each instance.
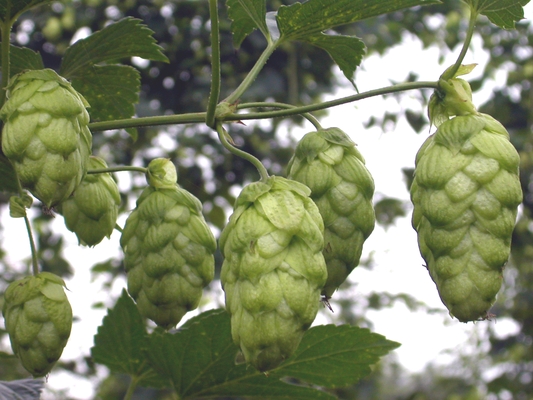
(329, 164)
(465, 192)
(38, 319)
(168, 248)
(273, 269)
(45, 134)
(91, 212)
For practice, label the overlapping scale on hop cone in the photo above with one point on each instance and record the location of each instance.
(45, 134)
(328, 162)
(465, 193)
(168, 248)
(273, 269)
(91, 212)
(38, 319)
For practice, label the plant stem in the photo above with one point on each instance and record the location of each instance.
(469, 33)
(117, 169)
(252, 75)
(34, 261)
(337, 102)
(190, 118)
(247, 156)
(200, 117)
(307, 116)
(215, 65)
(33, 248)
(6, 33)
(131, 388)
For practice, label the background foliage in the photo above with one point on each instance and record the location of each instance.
(291, 75)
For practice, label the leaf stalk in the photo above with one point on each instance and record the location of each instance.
(222, 135)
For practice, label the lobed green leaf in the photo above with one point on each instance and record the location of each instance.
(336, 356)
(120, 341)
(111, 90)
(200, 360)
(10, 9)
(123, 39)
(246, 16)
(346, 51)
(503, 13)
(300, 21)
(22, 58)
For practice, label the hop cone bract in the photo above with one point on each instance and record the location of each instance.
(329, 164)
(45, 134)
(38, 319)
(91, 212)
(465, 193)
(168, 248)
(273, 269)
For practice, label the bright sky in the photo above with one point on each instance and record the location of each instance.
(397, 262)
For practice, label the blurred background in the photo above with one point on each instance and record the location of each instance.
(390, 292)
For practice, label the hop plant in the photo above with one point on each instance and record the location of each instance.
(168, 248)
(91, 212)
(273, 269)
(329, 164)
(45, 134)
(465, 193)
(38, 319)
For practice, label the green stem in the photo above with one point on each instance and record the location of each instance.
(469, 33)
(333, 103)
(252, 75)
(200, 117)
(215, 65)
(34, 261)
(307, 116)
(131, 388)
(190, 118)
(6, 32)
(247, 156)
(117, 169)
(33, 248)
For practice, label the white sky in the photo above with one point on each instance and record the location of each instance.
(397, 262)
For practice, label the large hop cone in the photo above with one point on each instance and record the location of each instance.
(91, 212)
(465, 193)
(273, 269)
(329, 164)
(38, 319)
(168, 248)
(45, 134)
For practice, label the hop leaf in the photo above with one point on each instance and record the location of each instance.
(38, 319)
(45, 135)
(273, 269)
(91, 212)
(341, 186)
(168, 250)
(465, 193)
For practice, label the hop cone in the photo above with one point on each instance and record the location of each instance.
(465, 194)
(45, 135)
(329, 164)
(38, 320)
(273, 270)
(91, 212)
(168, 248)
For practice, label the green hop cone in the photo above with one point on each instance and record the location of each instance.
(168, 248)
(45, 134)
(38, 319)
(465, 193)
(91, 212)
(329, 164)
(273, 269)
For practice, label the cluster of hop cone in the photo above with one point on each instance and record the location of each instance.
(290, 242)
